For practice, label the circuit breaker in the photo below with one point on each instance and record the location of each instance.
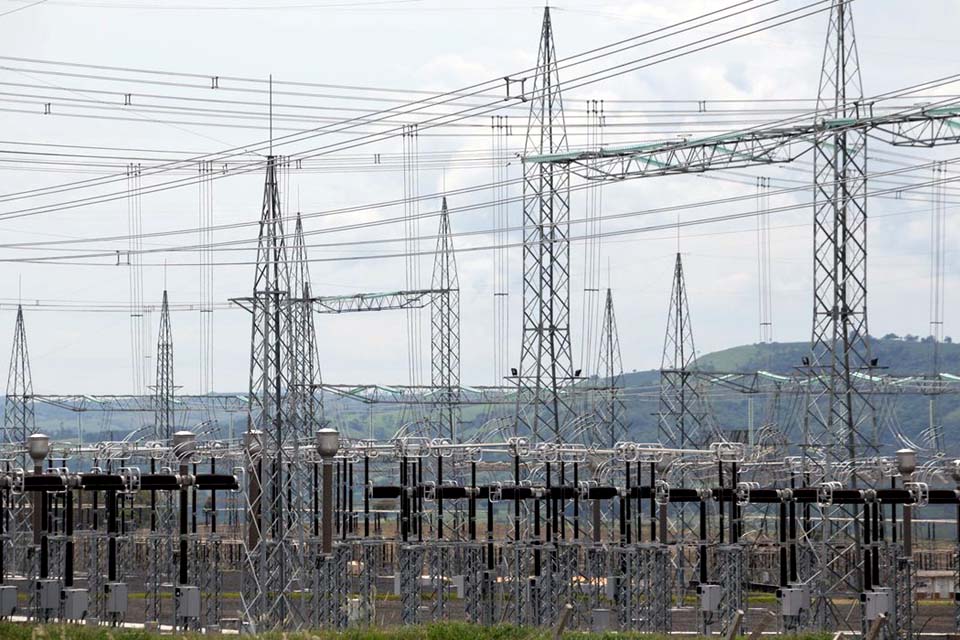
(187, 602)
(75, 603)
(116, 598)
(710, 595)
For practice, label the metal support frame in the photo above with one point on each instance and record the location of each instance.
(543, 411)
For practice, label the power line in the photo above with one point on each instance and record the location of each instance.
(403, 254)
(432, 122)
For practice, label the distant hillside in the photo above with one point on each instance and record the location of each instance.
(896, 355)
(902, 356)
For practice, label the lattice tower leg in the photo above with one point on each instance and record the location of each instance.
(156, 564)
(210, 581)
(548, 588)
(595, 573)
(439, 574)
(562, 568)
(251, 592)
(905, 602)
(624, 587)
(538, 591)
(21, 534)
(657, 571)
(488, 595)
(956, 585)
(368, 574)
(519, 584)
(410, 559)
(341, 572)
(731, 579)
(472, 572)
(124, 551)
(95, 572)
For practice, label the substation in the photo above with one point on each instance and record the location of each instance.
(549, 516)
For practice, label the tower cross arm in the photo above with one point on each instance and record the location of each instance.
(920, 126)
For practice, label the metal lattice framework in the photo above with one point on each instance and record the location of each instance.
(18, 412)
(842, 421)
(545, 354)
(163, 390)
(306, 395)
(272, 573)
(683, 414)
(611, 410)
(445, 331)
(553, 538)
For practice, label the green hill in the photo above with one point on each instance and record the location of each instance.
(731, 410)
(895, 356)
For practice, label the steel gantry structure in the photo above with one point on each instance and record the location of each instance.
(444, 394)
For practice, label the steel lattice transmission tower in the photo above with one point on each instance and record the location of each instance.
(18, 423)
(611, 410)
(683, 415)
(546, 368)
(842, 424)
(445, 330)
(18, 414)
(273, 571)
(160, 558)
(306, 401)
(163, 391)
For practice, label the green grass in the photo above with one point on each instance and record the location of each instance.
(447, 631)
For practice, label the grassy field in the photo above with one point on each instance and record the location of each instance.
(449, 631)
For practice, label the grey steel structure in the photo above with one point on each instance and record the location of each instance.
(546, 365)
(18, 412)
(275, 568)
(164, 388)
(515, 519)
(445, 331)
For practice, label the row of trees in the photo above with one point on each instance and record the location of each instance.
(912, 338)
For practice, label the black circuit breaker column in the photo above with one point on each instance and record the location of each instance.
(186, 596)
(328, 443)
(38, 447)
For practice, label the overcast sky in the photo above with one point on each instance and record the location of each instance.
(427, 45)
